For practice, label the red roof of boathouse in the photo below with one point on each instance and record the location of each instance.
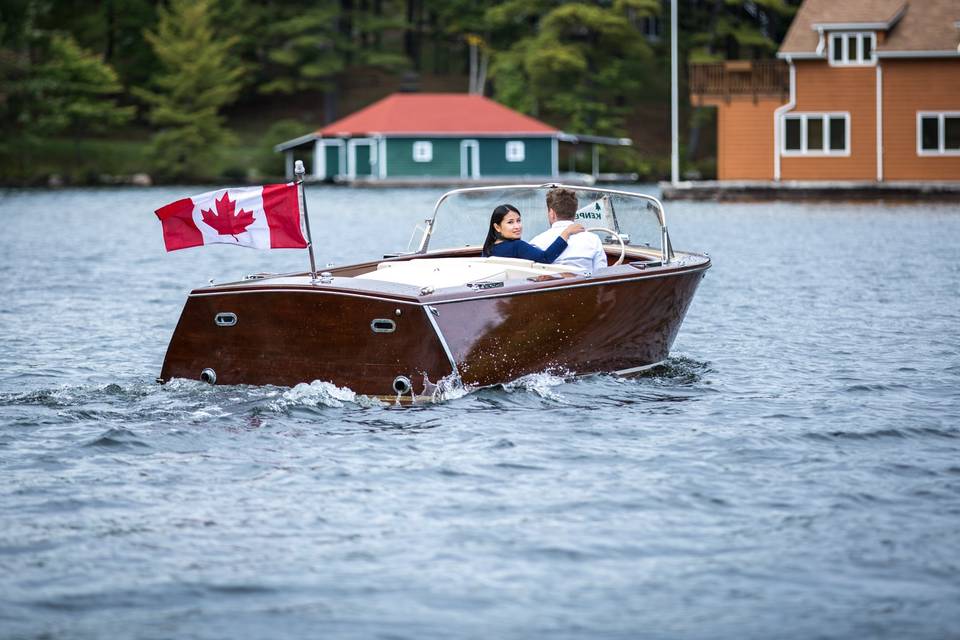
(436, 113)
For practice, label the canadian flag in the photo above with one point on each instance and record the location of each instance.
(266, 217)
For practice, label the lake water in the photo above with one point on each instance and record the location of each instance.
(794, 472)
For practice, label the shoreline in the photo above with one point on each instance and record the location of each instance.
(806, 191)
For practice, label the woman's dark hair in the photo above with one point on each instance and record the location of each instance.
(496, 218)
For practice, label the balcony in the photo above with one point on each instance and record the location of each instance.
(738, 78)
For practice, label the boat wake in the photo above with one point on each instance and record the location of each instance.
(543, 384)
(677, 370)
(321, 394)
(191, 402)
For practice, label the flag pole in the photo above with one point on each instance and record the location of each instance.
(300, 171)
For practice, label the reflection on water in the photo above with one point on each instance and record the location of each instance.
(791, 471)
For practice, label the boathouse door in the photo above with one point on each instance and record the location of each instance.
(361, 157)
(329, 159)
(469, 159)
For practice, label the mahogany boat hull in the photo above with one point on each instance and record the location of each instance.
(365, 335)
(610, 326)
(288, 336)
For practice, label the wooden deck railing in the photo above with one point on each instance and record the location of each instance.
(739, 78)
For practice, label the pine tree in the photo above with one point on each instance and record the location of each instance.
(49, 86)
(199, 77)
(578, 65)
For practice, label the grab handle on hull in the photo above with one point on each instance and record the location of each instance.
(225, 319)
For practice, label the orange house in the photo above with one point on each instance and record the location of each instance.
(868, 90)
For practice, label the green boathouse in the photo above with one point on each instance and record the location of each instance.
(434, 136)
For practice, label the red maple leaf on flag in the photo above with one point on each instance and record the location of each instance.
(224, 220)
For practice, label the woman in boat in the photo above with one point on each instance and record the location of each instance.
(503, 238)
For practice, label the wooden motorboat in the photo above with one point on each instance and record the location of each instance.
(413, 324)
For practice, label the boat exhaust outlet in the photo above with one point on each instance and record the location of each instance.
(402, 385)
(209, 376)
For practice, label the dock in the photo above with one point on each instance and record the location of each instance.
(840, 190)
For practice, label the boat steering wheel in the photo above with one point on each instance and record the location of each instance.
(623, 247)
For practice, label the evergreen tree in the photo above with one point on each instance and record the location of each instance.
(70, 90)
(713, 30)
(579, 65)
(297, 48)
(306, 48)
(199, 77)
(50, 87)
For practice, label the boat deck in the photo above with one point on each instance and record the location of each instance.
(440, 273)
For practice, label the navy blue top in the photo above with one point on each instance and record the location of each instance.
(526, 251)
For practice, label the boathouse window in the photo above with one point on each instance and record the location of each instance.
(422, 151)
(938, 133)
(515, 151)
(852, 48)
(816, 134)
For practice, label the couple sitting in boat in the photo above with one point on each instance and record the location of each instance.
(563, 243)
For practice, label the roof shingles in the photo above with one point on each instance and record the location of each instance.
(923, 25)
(435, 113)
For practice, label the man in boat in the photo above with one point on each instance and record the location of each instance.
(583, 250)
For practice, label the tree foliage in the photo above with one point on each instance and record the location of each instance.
(51, 85)
(198, 78)
(69, 66)
(308, 52)
(578, 65)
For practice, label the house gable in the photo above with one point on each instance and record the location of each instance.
(900, 27)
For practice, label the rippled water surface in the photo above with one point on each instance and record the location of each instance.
(793, 472)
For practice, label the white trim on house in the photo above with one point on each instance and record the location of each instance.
(555, 158)
(352, 145)
(514, 151)
(941, 133)
(879, 120)
(847, 60)
(320, 157)
(778, 113)
(918, 54)
(804, 118)
(382, 157)
(851, 26)
(296, 142)
(421, 151)
(799, 55)
(575, 138)
(472, 147)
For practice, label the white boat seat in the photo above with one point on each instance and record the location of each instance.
(457, 272)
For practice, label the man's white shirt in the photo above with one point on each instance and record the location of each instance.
(583, 250)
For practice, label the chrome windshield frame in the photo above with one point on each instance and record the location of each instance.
(666, 248)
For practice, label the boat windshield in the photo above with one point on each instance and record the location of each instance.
(462, 216)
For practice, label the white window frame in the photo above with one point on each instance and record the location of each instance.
(515, 151)
(846, 60)
(941, 149)
(422, 151)
(804, 117)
